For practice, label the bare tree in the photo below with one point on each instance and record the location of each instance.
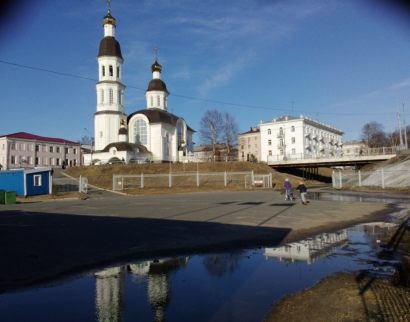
(373, 135)
(231, 130)
(86, 140)
(211, 128)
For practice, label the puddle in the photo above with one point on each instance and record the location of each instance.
(330, 196)
(218, 287)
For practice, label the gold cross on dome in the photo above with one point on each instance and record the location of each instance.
(109, 5)
(156, 52)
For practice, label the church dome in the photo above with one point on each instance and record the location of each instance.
(157, 85)
(156, 67)
(123, 131)
(108, 19)
(109, 46)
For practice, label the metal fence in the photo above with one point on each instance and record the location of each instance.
(193, 179)
(379, 178)
(69, 185)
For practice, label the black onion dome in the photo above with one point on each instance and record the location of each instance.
(157, 85)
(123, 130)
(156, 67)
(109, 46)
(125, 146)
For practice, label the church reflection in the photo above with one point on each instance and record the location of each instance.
(310, 249)
(110, 293)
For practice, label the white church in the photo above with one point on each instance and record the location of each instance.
(149, 135)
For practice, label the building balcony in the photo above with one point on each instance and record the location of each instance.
(279, 135)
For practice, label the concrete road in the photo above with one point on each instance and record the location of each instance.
(43, 241)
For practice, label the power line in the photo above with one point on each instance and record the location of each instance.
(199, 99)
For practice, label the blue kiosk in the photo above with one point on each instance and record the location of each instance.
(27, 182)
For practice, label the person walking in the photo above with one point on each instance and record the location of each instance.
(288, 187)
(302, 189)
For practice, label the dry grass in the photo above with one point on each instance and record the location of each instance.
(101, 175)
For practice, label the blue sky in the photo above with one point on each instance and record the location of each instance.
(345, 63)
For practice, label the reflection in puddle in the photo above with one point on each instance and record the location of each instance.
(218, 287)
(330, 196)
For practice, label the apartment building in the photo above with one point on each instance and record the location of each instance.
(19, 150)
(249, 145)
(290, 137)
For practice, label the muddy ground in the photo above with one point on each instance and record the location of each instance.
(355, 297)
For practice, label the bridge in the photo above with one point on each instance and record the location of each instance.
(354, 160)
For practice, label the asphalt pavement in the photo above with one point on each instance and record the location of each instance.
(42, 241)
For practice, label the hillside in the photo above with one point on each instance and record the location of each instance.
(101, 175)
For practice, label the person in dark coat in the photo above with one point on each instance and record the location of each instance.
(302, 189)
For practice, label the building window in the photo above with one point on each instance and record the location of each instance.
(242, 147)
(13, 146)
(270, 152)
(158, 101)
(111, 96)
(37, 180)
(179, 134)
(58, 149)
(293, 151)
(66, 150)
(269, 132)
(102, 96)
(74, 151)
(13, 159)
(36, 161)
(103, 70)
(249, 146)
(57, 161)
(249, 139)
(280, 131)
(292, 129)
(37, 148)
(118, 72)
(256, 145)
(140, 132)
(110, 71)
(293, 140)
(269, 142)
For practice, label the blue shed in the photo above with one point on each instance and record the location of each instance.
(27, 182)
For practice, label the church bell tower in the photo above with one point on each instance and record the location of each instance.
(110, 90)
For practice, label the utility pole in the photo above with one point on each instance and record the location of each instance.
(398, 119)
(405, 129)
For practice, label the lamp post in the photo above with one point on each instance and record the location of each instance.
(405, 129)
(92, 145)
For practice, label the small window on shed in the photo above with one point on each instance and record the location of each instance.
(37, 180)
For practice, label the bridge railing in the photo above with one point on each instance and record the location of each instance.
(335, 155)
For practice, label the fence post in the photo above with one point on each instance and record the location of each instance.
(253, 179)
(79, 185)
(225, 178)
(113, 182)
(340, 179)
(142, 180)
(170, 179)
(382, 179)
(270, 180)
(197, 178)
(360, 179)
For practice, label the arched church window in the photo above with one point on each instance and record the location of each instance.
(166, 102)
(103, 70)
(179, 132)
(111, 96)
(119, 97)
(152, 101)
(280, 131)
(118, 72)
(110, 72)
(102, 96)
(158, 101)
(269, 132)
(140, 132)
